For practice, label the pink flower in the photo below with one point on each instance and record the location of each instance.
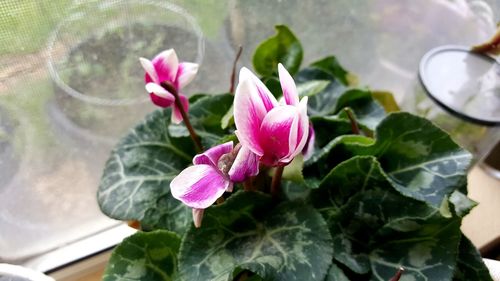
(165, 67)
(308, 149)
(199, 186)
(275, 132)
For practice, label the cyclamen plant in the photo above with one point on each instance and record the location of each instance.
(298, 175)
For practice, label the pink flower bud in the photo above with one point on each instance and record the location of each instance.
(165, 68)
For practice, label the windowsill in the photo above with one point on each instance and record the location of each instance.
(80, 250)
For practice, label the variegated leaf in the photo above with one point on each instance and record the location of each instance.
(421, 160)
(145, 256)
(136, 181)
(287, 242)
(366, 216)
(470, 265)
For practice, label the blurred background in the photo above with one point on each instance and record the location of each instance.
(71, 85)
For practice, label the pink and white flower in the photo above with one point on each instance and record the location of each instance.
(212, 174)
(275, 132)
(165, 67)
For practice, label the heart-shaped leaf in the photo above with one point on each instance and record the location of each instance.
(136, 181)
(336, 274)
(332, 66)
(283, 48)
(145, 256)
(375, 228)
(287, 242)
(470, 265)
(421, 160)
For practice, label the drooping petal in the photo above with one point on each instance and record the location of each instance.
(148, 66)
(166, 64)
(244, 166)
(308, 149)
(186, 73)
(198, 217)
(158, 90)
(288, 86)
(176, 113)
(212, 155)
(251, 104)
(274, 135)
(199, 186)
(159, 96)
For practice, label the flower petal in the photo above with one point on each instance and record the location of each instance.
(198, 186)
(186, 73)
(274, 135)
(301, 133)
(252, 101)
(166, 64)
(309, 147)
(244, 166)
(159, 96)
(148, 66)
(158, 90)
(212, 155)
(176, 113)
(198, 217)
(288, 86)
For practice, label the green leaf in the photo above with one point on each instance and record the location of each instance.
(421, 160)
(331, 66)
(295, 190)
(228, 118)
(461, 203)
(283, 48)
(327, 128)
(375, 228)
(312, 87)
(274, 86)
(367, 111)
(136, 178)
(324, 159)
(428, 253)
(470, 265)
(325, 102)
(206, 116)
(287, 242)
(386, 99)
(336, 274)
(145, 256)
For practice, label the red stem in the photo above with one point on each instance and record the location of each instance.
(171, 89)
(354, 124)
(233, 73)
(398, 275)
(276, 183)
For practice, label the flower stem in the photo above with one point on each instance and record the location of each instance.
(398, 275)
(171, 89)
(354, 124)
(247, 185)
(233, 73)
(276, 183)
